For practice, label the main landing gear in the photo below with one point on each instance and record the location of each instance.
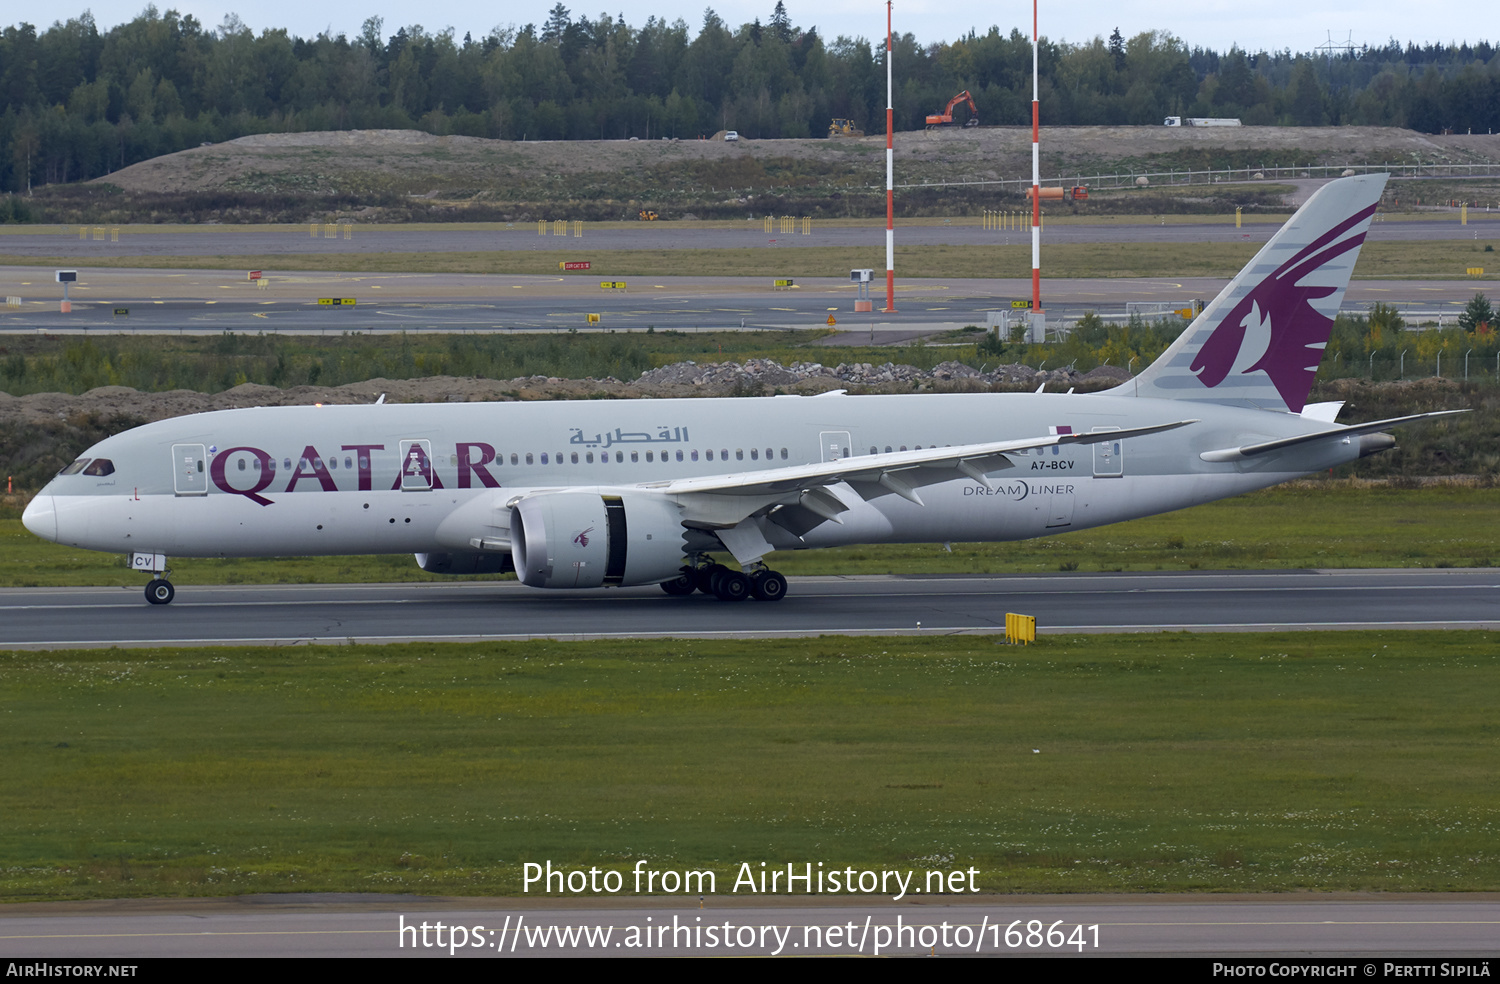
(728, 584)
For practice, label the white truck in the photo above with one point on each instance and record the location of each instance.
(1198, 121)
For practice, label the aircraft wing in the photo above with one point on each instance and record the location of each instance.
(900, 472)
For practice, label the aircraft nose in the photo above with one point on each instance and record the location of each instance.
(40, 517)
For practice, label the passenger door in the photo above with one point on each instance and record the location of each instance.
(189, 470)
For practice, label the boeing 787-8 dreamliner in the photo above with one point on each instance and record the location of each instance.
(596, 493)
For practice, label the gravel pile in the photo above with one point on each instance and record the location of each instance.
(752, 377)
(767, 372)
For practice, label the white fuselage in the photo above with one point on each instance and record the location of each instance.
(345, 480)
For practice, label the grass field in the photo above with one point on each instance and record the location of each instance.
(1304, 526)
(1325, 761)
(1405, 260)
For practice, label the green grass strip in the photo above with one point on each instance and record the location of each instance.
(1262, 762)
(1304, 526)
(1397, 260)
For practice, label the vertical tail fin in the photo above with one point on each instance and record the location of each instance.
(1259, 342)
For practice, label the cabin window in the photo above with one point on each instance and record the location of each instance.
(103, 466)
(887, 449)
(528, 458)
(240, 464)
(364, 462)
(710, 454)
(544, 457)
(783, 453)
(768, 454)
(679, 455)
(648, 456)
(874, 450)
(739, 454)
(903, 447)
(635, 456)
(286, 464)
(694, 453)
(347, 462)
(619, 457)
(755, 454)
(514, 461)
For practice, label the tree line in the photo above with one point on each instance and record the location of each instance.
(77, 103)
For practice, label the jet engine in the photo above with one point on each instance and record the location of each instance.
(588, 539)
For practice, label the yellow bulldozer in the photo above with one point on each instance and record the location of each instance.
(844, 128)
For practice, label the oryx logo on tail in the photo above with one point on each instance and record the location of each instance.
(1258, 343)
(1278, 322)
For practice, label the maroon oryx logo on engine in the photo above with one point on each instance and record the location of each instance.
(582, 539)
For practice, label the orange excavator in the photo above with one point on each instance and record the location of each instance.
(945, 118)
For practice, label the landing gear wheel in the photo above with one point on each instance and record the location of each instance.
(706, 578)
(684, 584)
(160, 591)
(768, 586)
(732, 585)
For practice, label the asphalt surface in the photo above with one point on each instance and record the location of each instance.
(1459, 929)
(463, 611)
(1015, 229)
(155, 301)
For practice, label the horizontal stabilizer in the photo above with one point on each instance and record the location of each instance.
(1251, 450)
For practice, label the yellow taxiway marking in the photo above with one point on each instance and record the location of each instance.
(259, 314)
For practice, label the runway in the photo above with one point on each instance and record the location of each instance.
(211, 302)
(60, 618)
(1367, 932)
(228, 241)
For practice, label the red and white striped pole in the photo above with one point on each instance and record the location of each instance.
(890, 180)
(1036, 174)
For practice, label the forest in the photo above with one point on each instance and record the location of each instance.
(77, 103)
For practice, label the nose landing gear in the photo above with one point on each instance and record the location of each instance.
(159, 590)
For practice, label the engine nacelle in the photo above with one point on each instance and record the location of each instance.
(585, 539)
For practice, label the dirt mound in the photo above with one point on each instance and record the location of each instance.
(414, 162)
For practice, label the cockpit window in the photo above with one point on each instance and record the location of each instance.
(75, 467)
(100, 468)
